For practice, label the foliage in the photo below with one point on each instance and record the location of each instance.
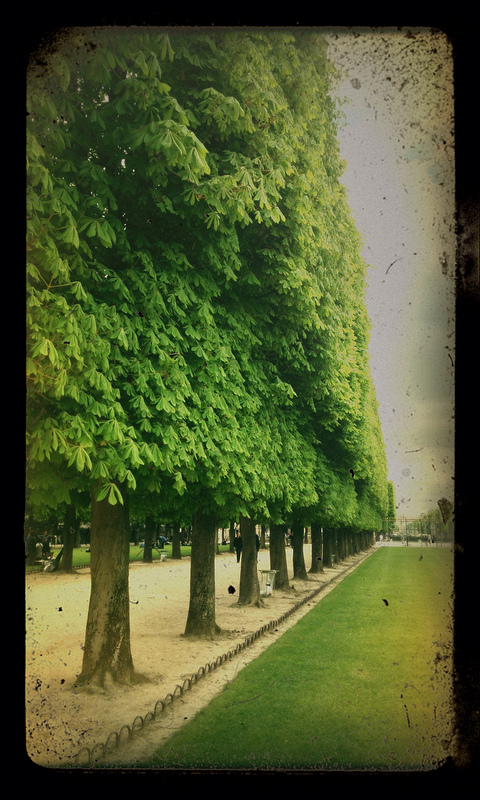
(392, 508)
(195, 310)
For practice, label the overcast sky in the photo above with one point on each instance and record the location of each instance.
(399, 148)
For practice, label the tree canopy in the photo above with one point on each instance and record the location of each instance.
(196, 322)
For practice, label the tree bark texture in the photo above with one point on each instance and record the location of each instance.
(231, 548)
(148, 541)
(262, 537)
(354, 542)
(328, 546)
(317, 549)
(68, 539)
(201, 612)
(341, 544)
(278, 556)
(107, 654)
(299, 569)
(176, 541)
(249, 593)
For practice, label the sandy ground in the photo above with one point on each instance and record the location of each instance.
(61, 722)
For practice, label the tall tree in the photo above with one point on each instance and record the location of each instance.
(201, 612)
(107, 654)
(249, 593)
(278, 558)
(392, 510)
(317, 564)
(68, 538)
(194, 280)
(297, 537)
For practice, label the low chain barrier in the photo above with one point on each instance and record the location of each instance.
(94, 755)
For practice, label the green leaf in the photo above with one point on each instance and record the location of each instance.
(71, 235)
(79, 457)
(131, 452)
(213, 218)
(179, 483)
(104, 233)
(197, 162)
(111, 492)
(46, 348)
(163, 88)
(122, 338)
(166, 48)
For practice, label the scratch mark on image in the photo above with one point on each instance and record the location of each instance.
(391, 265)
(253, 698)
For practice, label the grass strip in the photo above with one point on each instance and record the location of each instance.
(81, 555)
(361, 682)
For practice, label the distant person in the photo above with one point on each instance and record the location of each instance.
(54, 563)
(237, 543)
(45, 546)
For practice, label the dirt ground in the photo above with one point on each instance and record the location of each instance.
(61, 721)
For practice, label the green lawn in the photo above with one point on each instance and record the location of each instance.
(355, 684)
(81, 556)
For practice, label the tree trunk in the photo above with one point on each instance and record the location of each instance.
(340, 539)
(107, 655)
(201, 612)
(368, 539)
(68, 538)
(278, 556)
(354, 543)
(30, 546)
(134, 535)
(176, 541)
(262, 538)
(249, 593)
(334, 545)
(317, 548)
(148, 541)
(299, 569)
(327, 547)
(232, 537)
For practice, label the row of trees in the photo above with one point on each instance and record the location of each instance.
(197, 332)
